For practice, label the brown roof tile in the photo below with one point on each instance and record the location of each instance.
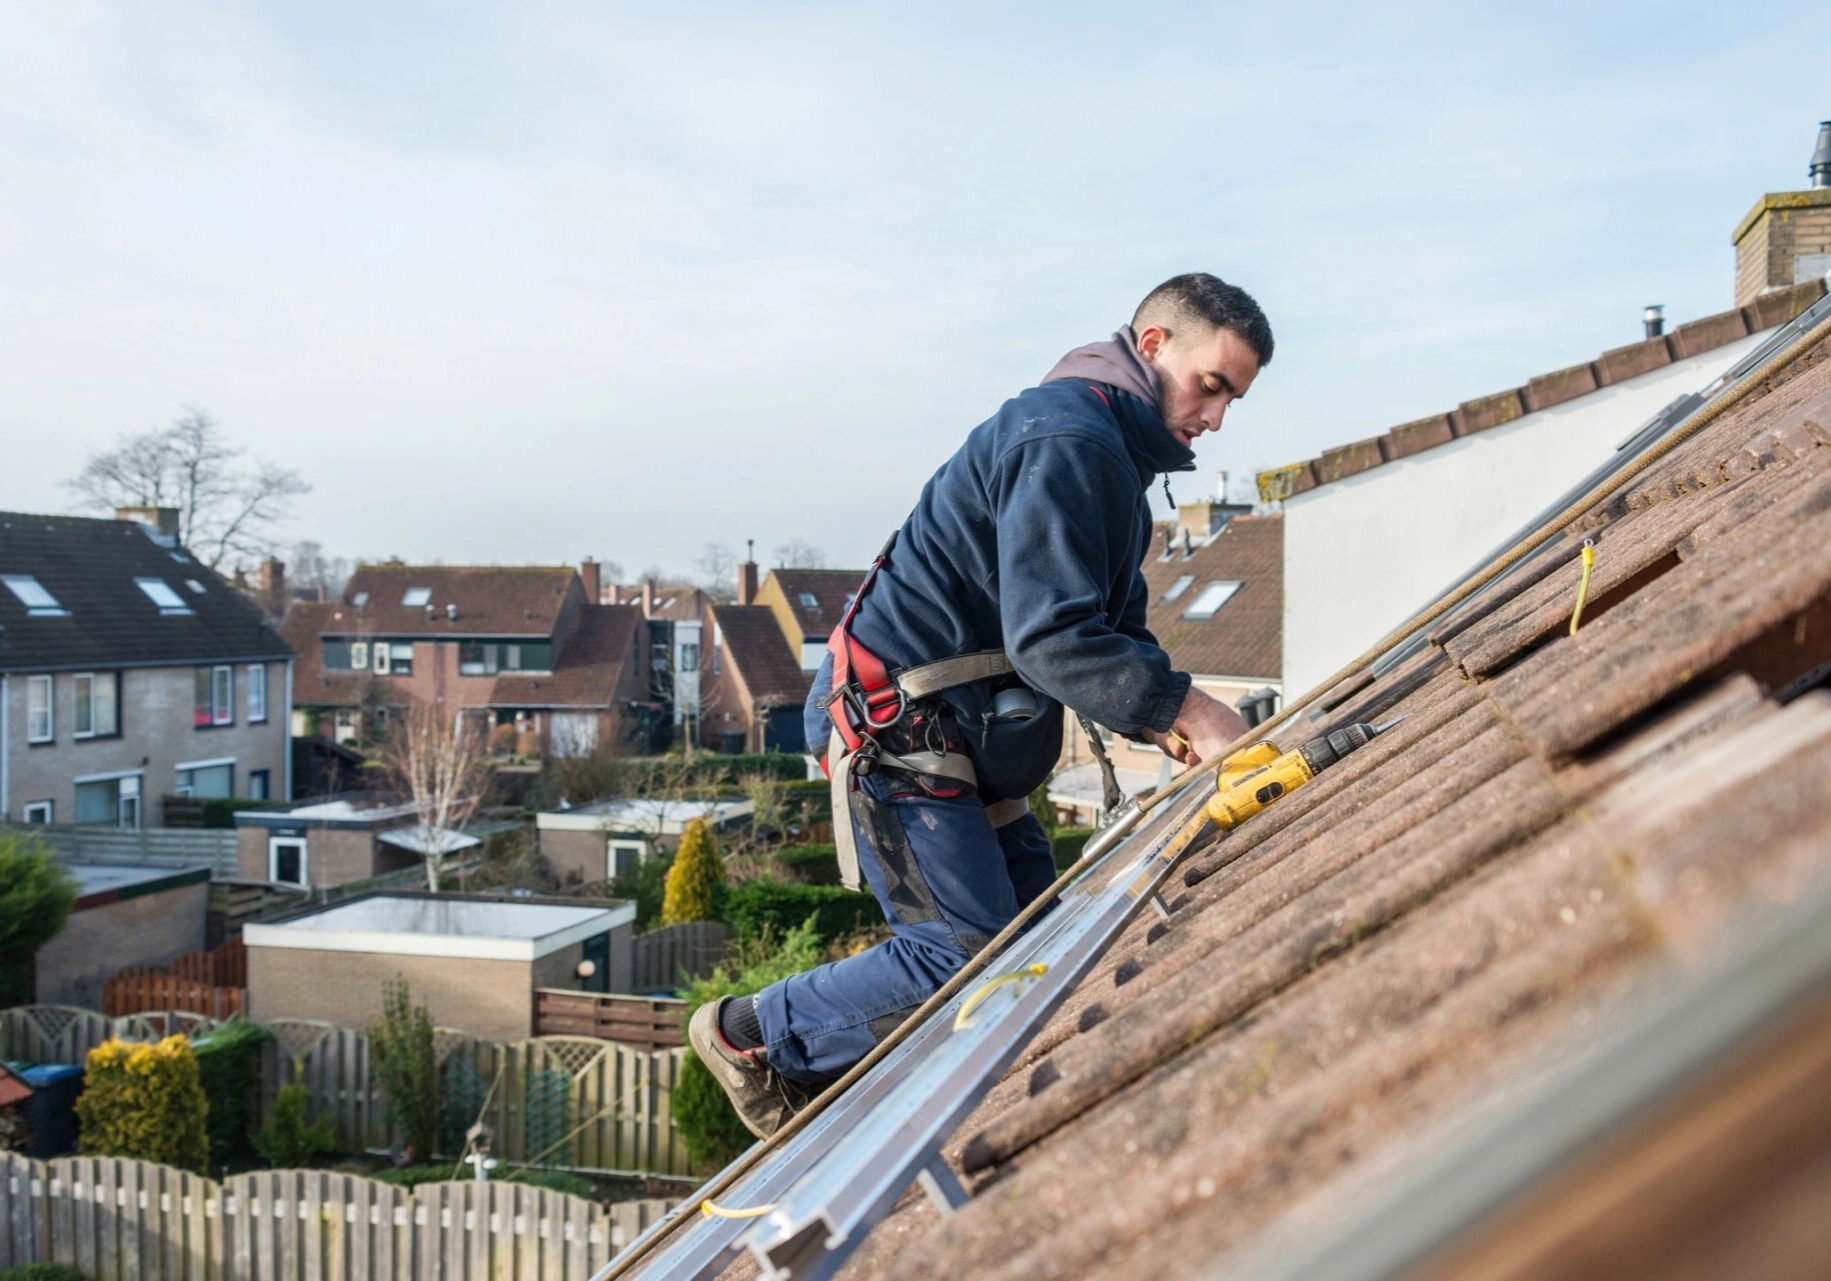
(1350, 460)
(1489, 411)
(1459, 906)
(829, 590)
(1416, 437)
(1246, 635)
(590, 666)
(492, 600)
(302, 627)
(770, 670)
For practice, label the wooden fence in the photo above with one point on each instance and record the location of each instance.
(125, 1220)
(648, 1023)
(576, 1102)
(212, 983)
(668, 957)
(158, 846)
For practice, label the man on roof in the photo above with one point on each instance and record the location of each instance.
(1012, 589)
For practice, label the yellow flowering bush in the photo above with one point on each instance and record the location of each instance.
(147, 1101)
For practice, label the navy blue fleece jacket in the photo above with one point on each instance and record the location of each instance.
(1029, 539)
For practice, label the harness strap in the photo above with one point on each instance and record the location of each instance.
(932, 678)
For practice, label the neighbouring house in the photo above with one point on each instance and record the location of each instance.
(754, 683)
(521, 649)
(129, 672)
(605, 839)
(336, 840)
(473, 960)
(1376, 528)
(124, 915)
(807, 604)
(1215, 578)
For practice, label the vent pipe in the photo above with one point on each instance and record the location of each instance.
(1653, 317)
(1820, 168)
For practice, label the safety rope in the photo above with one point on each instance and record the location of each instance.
(971, 970)
(1589, 563)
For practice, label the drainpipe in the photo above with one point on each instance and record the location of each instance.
(286, 737)
(6, 742)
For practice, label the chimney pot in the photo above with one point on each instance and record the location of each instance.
(747, 583)
(1653, 316)
(590, 580)
(162, 522)
(451, 611)
(1820, 168)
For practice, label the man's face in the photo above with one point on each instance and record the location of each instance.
(1202, 372)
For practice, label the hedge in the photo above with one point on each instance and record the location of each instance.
(145, 1101)
(781, 907)
(809, 864)
(219, 811)
(1067, 843)
(229, 1065)
(41, 1272)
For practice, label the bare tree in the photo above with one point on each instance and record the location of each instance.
(224, 507)
(796, 554)
(717, 565)
(437, 758)
(309, 567)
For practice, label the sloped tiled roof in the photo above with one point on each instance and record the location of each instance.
(830, 590)
(492, 600)
(312, 686)
(1542, 392)
(89, 567)
(590, 666)
(754, 644)
(1245, 637)
(1561, 824)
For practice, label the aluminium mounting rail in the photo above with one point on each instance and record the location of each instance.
(825, 1195)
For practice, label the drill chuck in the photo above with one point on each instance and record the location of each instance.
(1253, 778)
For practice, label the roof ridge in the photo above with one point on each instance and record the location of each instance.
(1616, 365)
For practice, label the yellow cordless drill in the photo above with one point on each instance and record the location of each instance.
(1254, 777)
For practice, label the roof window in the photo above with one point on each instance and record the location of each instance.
(38, 602)
(417, 596)
(160, 593)
(1177, 588)
(195, 586)
(1209, 603)
(809, 600)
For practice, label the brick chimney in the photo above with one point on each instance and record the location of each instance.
(1785, 240)
(648, 599)
(270, 585)
(161, 521)
(590, 579)
(747, 574)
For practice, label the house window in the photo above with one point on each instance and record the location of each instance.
(359, 654)
(417, 597)
(512, 657)
(689, 656)
(400, 658)
(621, 857)
(260, 785)
(360, 599)
(257, 692)
(1177, 588)
(1212, 597)
(286, 860)
(477, 658)
(40, 812)
(40, 722)
(344, 728)
(380, 655)
(215, 704)
(38, 602)
(112, 802)
(206, 779)
(809, 600)
(97, 705)
(162, 594)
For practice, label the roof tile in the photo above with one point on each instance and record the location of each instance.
(491, 600)
(1419, 435)
(1489, 411)
(1711, 332)
(1564, 384)
(753, 641)
(1618, 364)
(1350, 460)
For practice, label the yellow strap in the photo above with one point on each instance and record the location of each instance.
(971, 1003)
(1589, 562)
(714, 1211)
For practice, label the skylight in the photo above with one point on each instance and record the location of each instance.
(810, 601)
(196, 587)
(38, 602)
(1212, 597)
(160, 593)
(1178, 587)
(416, 597)
(360, 599)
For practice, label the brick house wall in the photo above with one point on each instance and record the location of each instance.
(150, 929)
(157, 734)
(333, 855)
(488, 998)
(576, 857)
(1782, 228)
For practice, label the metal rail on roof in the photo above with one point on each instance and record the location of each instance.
(1657, 428)
(823, 1195)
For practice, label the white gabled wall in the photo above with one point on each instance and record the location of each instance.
(1363, 554)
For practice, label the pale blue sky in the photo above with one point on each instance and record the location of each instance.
(537, 281)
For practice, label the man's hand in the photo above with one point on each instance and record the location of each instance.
(1204, 729)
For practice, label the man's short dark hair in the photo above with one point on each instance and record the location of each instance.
(1198, 296)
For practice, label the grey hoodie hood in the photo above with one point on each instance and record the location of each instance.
(1115, 362)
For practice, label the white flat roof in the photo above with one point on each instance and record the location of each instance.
(415, 926)
(656, 816)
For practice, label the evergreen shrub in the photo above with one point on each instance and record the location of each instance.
(288, 1141)
(694, 880)
(42, 1272)
(809, 864)
(229, 1066)
(145, 1101)
(780, 907)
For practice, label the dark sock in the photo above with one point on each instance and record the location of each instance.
(737, 1021)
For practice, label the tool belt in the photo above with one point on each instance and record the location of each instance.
(897, 722)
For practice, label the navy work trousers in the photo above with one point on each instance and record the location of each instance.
(947, 881)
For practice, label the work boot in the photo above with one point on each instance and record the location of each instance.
(763, 1097)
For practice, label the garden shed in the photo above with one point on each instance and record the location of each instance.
(125, 914)
(608, 838)
(473, 960)
(332, 841)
